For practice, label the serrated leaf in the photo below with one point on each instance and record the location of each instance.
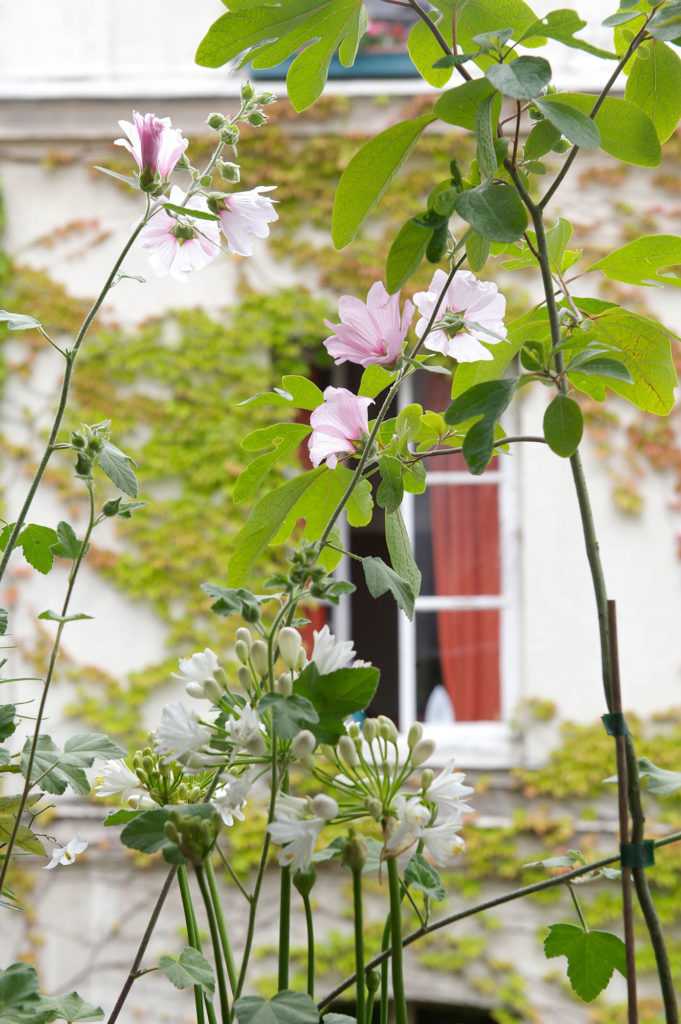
(118, 467)
(369, 174)
(335, 696)
(423, 877)
(36, 543)
(284, 1008)
(592, 957)
(68, 545)
(381, 579)
(493, 209)
(188, 970)
(563, 426)
(289, 714)
(524, 78)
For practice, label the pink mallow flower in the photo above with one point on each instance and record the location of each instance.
(471, 312)
(177, 245)
(155, 146)
(340, 421)
(371, 332)
(245, 216)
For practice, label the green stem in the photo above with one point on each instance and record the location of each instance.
(215, 939)
(399, 997)
(385, 974)
(578, 907)
(309, 926)
(359, 944)
(192, 933)
(284, 928)
(70, 357)
(28, 770)
(222, 928)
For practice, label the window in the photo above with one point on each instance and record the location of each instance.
(454, 666)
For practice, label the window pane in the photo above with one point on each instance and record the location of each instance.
(457, 666)
(457, 539)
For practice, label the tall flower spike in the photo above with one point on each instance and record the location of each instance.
(372, 332)
(476, 309)
(179, 245)
(337, 424)
(155, 146)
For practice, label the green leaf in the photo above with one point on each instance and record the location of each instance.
(476, 17)
(4, 621)
(8, 724)
(183, 211)
(562, 26)
(369, 174)
(70, 1008)
(390, 490)
(494, 210)
(25, 839)
(460, 105)
(658, 781)
(642, 261)
(666, 24)
(654, 85)
(541, 139)
(303, 393)
(524, 78)
(406, 253)
(485, 402)
(335, 696)
(18, 321)
(420, 875)
(283, 439)
(37, 542)
(190, 969)
(118, 467)
(53, 769)
(234, 601)
(284, 1008)
(592, 957)
(339, 1018)
(477, 250)
(602, 366)
(425, 51)
(638, 145)
(51, 616)
(289, 714)
(563, 426)
(381, 579)
(267, 34)
(574, 125)
(21, 1002)
(374, 380)
(264, 522)
(68, 545)
(485, 152)
(146, 831)
(93, 745)
(399, 548)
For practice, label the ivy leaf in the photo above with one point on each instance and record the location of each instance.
(369, 174)
(289, 714)
(283, 439)
(8, 724)
(399, 548)
(188, 970)
(68, 545)
(659, 781)
(562, 25)
(285, 1008)
(91, 746)
(642, 261)
(406, 253)
(18, 321)
(420, 875)
(381, 579)
(638, 145)
(563, 426)
(581, 130)
(118, 467)
(317, 503)
(335, 696)
(654, 85)
(592, 957)
(460, 105)
(303, 393)
(485, 402)
(524, 78)
(493, 209)
(267, 34)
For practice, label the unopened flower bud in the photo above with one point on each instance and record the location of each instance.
(244, 677)
(355, 853)
(257, 119)
(259, 658)
(304, 744)
(422, 751)
(375, 808)
(195, 690)
(324, 806)
(77, 440)
(386, 729)
(212, 691)
(290, 642)
(265, 98)
(414, 735)
(305, 880)
(241, 651)
(216, 121)
(302, 660)
(171, 832)
(247, 91)
(284, 684)
(110, 508)
(373, 981)
(229, 135)
(347, 751)
(353, 730)
(229, 171)
(427, 777)
(370, 729)
(244, 635)
(256, 744)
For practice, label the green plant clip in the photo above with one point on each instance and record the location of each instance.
(615, 724)
(637, 855)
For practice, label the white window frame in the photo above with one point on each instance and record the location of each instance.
(473, 744)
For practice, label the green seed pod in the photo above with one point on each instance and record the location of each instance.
(304, 881)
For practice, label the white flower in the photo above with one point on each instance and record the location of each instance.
(199, 668)
(330, 654)
(178, 245)
(478, 304)
(66, 854)
(245, 216)
(411, 817)
(290, 808)
(298, 837)
(118, 780)
(180, 732)
(442, 842)
(246, 729)
(448, 793)
(230, 798)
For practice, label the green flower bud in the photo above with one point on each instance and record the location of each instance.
(387, 730)
(373, 981)
(304, 744)
(284, 684)
(257, 119)
(77, 440)
(259, 659)
(111, 508)
(229, 171)
(241, 651)
(375, 808)
(427, 776)
(247, 91)
(347, 750)
(422, 751)
(244, 677)
(195, 690)
(290, 642)
(216, 121)
(370, 729)
(414, 735)
(205, 180)
(355, 853)
(229, 135)
(354, 730)
(304, 881)
(324, 806)
(265, 98)
(171, 832)
(244, 635)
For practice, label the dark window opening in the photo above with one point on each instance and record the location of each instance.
(432, 1013)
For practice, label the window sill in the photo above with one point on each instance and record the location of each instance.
(474, 745)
